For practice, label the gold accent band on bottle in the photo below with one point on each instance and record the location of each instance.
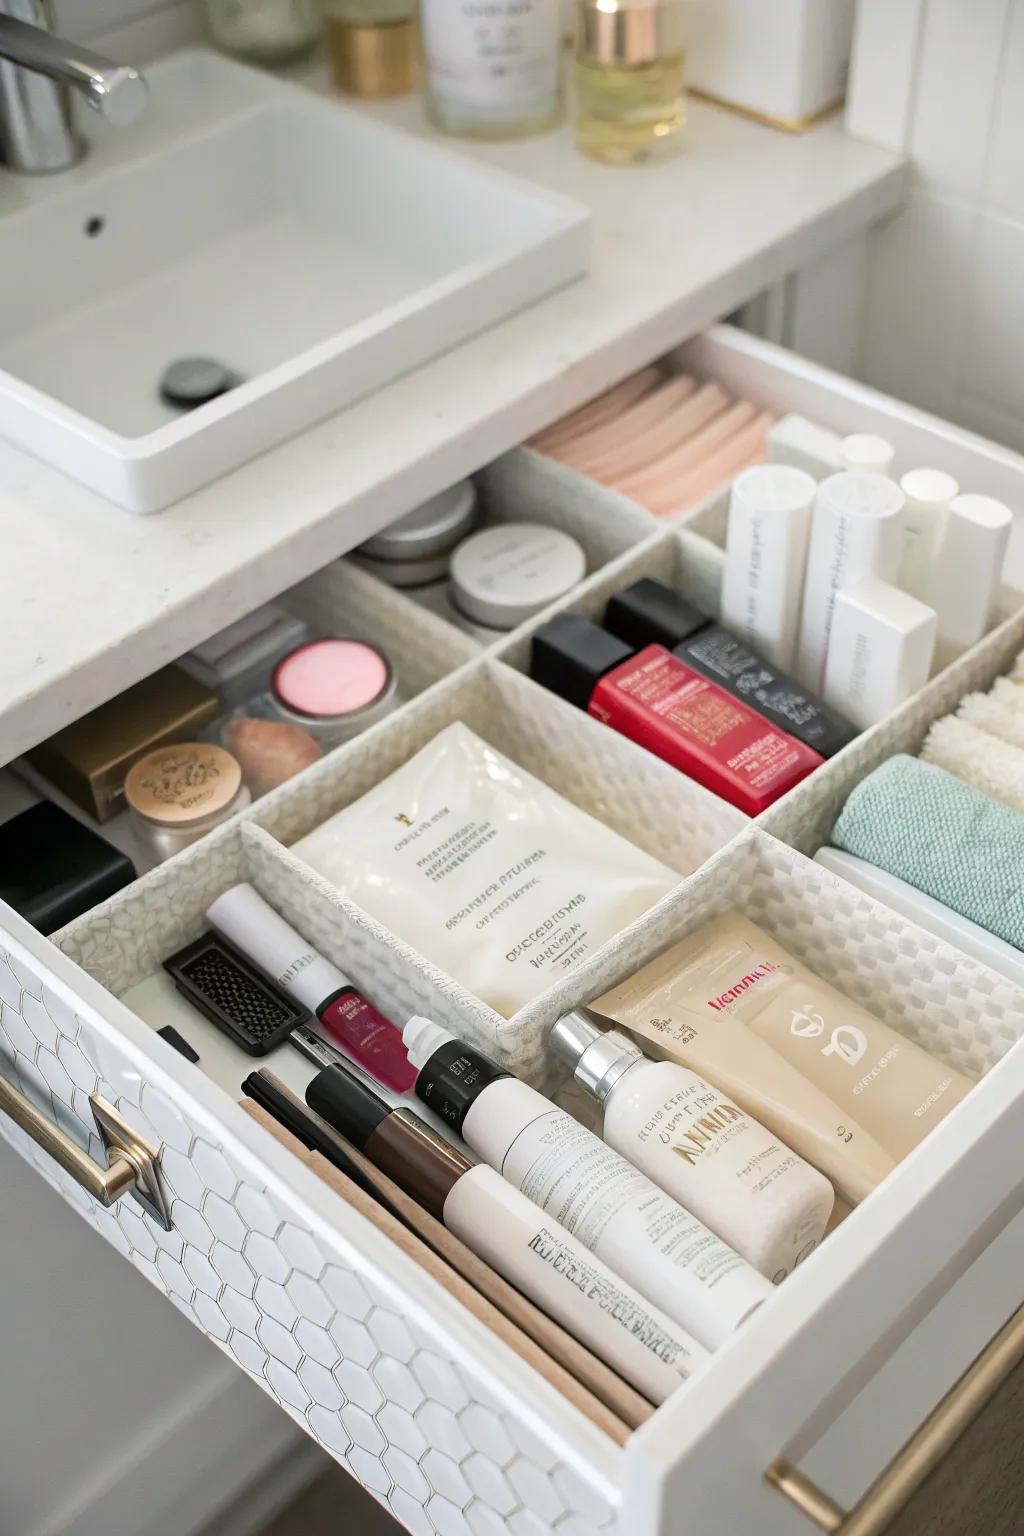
(624, 32)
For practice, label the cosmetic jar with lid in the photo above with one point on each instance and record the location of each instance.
(335, 688)
(417, 549)
(179, 793)
(503, 575)
(267, 32)
(630, 99)
(373, 46)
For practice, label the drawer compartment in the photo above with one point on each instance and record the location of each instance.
(522, 486)
(447, 1425)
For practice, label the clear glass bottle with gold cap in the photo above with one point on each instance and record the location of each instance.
(630, 100)
(373, 45)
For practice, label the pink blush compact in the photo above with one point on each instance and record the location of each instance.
(334, 687)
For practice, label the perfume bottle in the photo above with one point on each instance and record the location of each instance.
(493, 71)
(630, 102)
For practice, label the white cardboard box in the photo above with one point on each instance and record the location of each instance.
(781, 59)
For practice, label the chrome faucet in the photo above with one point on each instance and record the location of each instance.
(37, 134)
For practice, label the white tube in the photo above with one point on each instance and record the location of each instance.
(802, 444)
(879, 652)
(553, 1269)
(696, 1144)
(856, 531)
(765, 554)
(865, 451)
(931, 915)
(929, 493)
(253, 926)
(616, 1212)
(967, 572)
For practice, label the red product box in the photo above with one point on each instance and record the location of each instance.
(662, 704)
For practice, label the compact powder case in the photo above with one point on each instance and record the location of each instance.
(505, 574)
(334, 687)
(418, 548)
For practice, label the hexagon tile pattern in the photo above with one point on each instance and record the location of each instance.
(370, 1385)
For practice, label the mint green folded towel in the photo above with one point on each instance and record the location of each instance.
(939, 834)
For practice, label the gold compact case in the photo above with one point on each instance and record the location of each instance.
(88, 760)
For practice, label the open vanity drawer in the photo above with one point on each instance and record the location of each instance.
(428, 1409)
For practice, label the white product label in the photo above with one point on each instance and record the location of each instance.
(763, 1199)
(615, 1211)
(554, 1270)
(485, 870)
(496, 56)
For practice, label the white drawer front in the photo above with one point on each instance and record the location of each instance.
(426, 1410)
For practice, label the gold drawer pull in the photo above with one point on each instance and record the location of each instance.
(133, 1164)
(920, 1456)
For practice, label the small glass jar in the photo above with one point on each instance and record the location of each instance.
(179, 793)
(264, 31)
(493, 71)
(630, 98)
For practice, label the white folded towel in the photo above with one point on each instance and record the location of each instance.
(1000, 711)
(1017, 671)
(991, 765)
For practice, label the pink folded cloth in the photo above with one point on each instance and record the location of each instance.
(653, 408)
(666, 472)
(651, 447)
(739, 452)
(601, 408)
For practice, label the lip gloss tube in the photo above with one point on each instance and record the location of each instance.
(524, 1245)
(344, 1016)
(659, 702)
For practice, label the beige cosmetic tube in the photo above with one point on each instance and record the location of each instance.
(837, 1085)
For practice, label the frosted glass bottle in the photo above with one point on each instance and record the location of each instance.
(264, 31)
(493, 71)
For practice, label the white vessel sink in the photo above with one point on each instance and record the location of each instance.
(312, 251)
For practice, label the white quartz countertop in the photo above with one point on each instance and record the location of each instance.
(93, 598)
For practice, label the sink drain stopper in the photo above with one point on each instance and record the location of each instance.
(192, 381)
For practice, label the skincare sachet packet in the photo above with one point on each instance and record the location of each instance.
(838, 1086)
(486, 870)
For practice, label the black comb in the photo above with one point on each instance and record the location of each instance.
(234, 994)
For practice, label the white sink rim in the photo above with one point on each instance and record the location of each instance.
(135, 471)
